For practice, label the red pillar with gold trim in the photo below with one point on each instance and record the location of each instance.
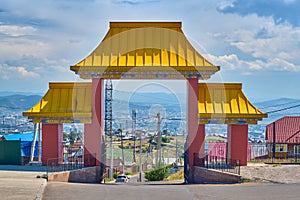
(52, 142)
(195, 131)
(93, 132)
(237, 136)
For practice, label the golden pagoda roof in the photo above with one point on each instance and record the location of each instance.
(63, 103)
(145, 50)
(226, 103)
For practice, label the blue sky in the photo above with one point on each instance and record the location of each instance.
(255, 42)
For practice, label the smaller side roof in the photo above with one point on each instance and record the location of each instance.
(225, 103)
(287, 130)
(64, 103)
(24, 137)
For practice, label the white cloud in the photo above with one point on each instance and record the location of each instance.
(8, 72)
(13, 48)
(61, 33)
(24, 73)
(16, 31)
(266, 46)
(233, 63)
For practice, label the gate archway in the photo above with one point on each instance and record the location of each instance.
(149, 50)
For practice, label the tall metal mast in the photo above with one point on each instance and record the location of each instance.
(108, 120)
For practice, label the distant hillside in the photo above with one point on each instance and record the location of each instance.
(124, 102)
(18, 102)
(150, 97)
(11, 93)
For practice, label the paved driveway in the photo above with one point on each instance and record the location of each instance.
(129, 191)
(20, 182)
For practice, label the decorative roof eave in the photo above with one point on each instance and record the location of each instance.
(234, 116)
(144, 47)
(151, 72)
(61, 120)
(63, 103)
(227, 121)
(225, 103)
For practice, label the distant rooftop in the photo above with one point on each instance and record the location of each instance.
(24, 137)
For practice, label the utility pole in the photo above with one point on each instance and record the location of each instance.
(122, 146)
(158, 158)
(133, 133)
(176, 161)
(141, 142)
(274, 140)
(108, 121)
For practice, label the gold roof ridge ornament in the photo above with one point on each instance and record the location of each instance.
(145, 50)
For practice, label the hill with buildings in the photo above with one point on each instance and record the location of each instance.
(149, 104)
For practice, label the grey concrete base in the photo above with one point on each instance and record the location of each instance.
(203, 175)
(85, 175)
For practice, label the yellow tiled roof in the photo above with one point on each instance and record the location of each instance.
(145, 50)
(226, 103)
(64, 103)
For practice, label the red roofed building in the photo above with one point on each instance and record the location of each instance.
(285, 134)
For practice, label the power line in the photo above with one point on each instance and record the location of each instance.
(282, 109)
(281, 104)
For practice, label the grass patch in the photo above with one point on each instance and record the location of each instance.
(246, 180)
(107, 180)
(176, 176)
(276, 165)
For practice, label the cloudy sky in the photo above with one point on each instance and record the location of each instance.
(255, 42)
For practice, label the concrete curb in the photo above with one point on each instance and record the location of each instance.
(40, 192)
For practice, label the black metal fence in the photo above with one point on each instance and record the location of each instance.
(218, 163)
(60, 164)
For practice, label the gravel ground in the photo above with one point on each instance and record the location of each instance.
(271, 173)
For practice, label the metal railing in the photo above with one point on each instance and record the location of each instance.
(218, 163)
(70, 163)
(59, 164)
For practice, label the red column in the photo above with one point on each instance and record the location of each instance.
(52, 142)
(237, 137)
(196, 133)
(93, 132)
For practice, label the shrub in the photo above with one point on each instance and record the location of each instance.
(165, 139)
(116, 174)
(157, 174)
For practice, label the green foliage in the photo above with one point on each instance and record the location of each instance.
(145, 149)
(246, 180)
(157, 174)
(276, 165)
(165, 139)
(73, 136)
(107, 180)
(116, 174)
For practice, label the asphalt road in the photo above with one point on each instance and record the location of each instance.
(171, 191)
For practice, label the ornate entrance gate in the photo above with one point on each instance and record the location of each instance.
(148, 50)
